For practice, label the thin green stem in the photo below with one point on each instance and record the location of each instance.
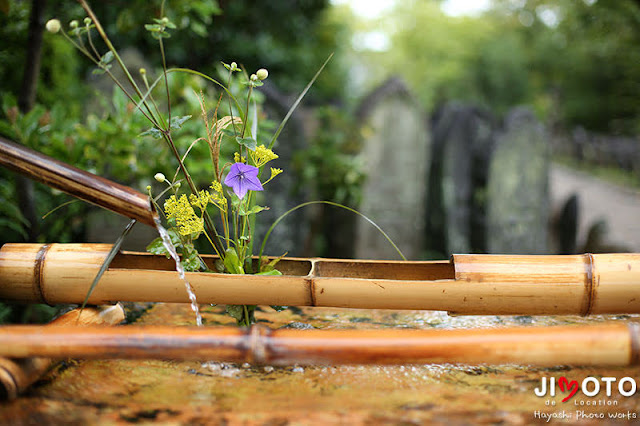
(207, 219)
(212, 244)
(299, 206)
(117, 57)
(91, 43)
(246, 115)
(166, 81)
(295, 104)
(153, 101)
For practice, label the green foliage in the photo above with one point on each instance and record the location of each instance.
(252, 33)
(189, 257)
(27, 314)
(330, 166)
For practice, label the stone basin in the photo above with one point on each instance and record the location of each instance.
(165, 391)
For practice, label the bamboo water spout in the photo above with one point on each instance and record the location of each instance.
(79, 183)
(467, 284)
(16, 375)
(614, 344)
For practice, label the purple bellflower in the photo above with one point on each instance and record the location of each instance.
(242, 178)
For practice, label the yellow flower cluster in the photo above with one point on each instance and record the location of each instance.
(201, 200)
(237, 158)
(275, 172)
(217, 198)
(262, 155)
(186, 218)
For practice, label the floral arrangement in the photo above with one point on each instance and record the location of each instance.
(224, 213)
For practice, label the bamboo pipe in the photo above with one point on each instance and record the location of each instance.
(16, 375)
(465, 285)
(612, 344)
(79, 183)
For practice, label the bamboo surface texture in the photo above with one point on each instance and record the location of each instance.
(612, 344)
(17, 374)
(467, 284)
(79, 183)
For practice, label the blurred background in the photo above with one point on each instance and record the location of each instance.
(489, 126)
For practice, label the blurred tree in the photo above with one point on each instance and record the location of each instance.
(291, 38)
(583, 58)
(576, 61)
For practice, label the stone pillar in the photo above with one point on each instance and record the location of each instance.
(396, 157)
(518, 187)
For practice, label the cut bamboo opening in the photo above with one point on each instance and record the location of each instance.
(612, 344)
(465, 285)
(79, 183)
(16, 375)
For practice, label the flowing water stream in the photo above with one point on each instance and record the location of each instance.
(166, 241)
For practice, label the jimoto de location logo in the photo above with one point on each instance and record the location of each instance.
(591, 387)
(590, 392)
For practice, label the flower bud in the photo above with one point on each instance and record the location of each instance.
(234, 66)
(262, 74)
(53, 26)
(143, 71)
(73, 24)
(254, 77)
(87, 21)
(177, 185)
(159, 177)
(148, 187)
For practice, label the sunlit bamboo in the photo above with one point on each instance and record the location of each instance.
(467, 284)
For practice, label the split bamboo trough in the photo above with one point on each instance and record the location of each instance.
(465, 285)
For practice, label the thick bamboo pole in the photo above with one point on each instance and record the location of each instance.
(79, 183)
(613, 344)
(468, 284)
(16, 375)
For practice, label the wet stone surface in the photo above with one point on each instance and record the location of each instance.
(169, 392)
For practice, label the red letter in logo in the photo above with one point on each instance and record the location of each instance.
(566, 385)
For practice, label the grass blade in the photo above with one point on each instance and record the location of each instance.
(331, 203)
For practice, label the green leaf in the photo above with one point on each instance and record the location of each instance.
(100, 71)
(153, 132)
(106, 58)
(156, 246)
(154, 28)
(232, 262)
(235, 311)
(254, 210)
(273, 272)
(279, 308)
(177, 122)
(191, 262)
(265, 267)
(229, 132)
(248, 142)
